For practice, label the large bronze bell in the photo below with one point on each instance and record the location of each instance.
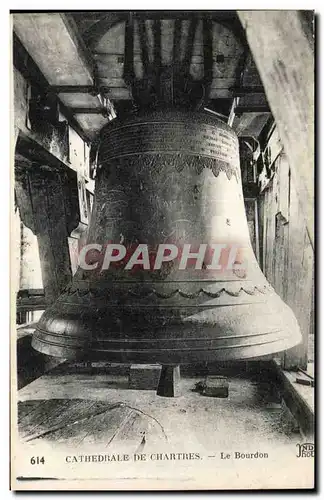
(172, 178)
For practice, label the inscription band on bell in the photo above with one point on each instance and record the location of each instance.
(167, 138)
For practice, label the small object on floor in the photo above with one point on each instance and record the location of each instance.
(199, 386)
(169, 383)
(271, 405)
(215, 386)
(305, 381)
(305, 378)
(144, 377)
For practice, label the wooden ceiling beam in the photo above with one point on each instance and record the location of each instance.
(88, 111)
(54, 46)
(251, 108)
(238, 91)
(65, 60)
(74, 89)
(77, 40)
(25, 64)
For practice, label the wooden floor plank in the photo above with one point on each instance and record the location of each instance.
(55, 414)
(47, 412)
(78, 426)
(37, 415)
(103, 428)
(138, 431)
(25, 408)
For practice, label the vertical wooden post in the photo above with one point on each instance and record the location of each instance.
(284, 56)
(283, 51)
(299, 280)
(51, 229)
(40, 197)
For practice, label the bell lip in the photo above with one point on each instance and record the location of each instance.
(170, 357)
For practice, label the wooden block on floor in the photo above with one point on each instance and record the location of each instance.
(144, 377)
(216, 387)
(169, 384)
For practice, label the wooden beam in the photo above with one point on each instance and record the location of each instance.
(64, 59)
(47, 215)
(90, 63)
(177, 42)
(299, 280)
(129, 72)
(251, 190)
(189, 46)
(239, 73)
(208, 53)
(35, 152)
(31, 304)
(242, 91)
(251, 108)
(143, 43)
(25, 64)
(231, 116)
(300, 405)
(75, 89)
(285, 61)
(76, 38)
(55, 47)
(157, 34)
(89, 111)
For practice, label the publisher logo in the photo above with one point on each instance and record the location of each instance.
(305, 450)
